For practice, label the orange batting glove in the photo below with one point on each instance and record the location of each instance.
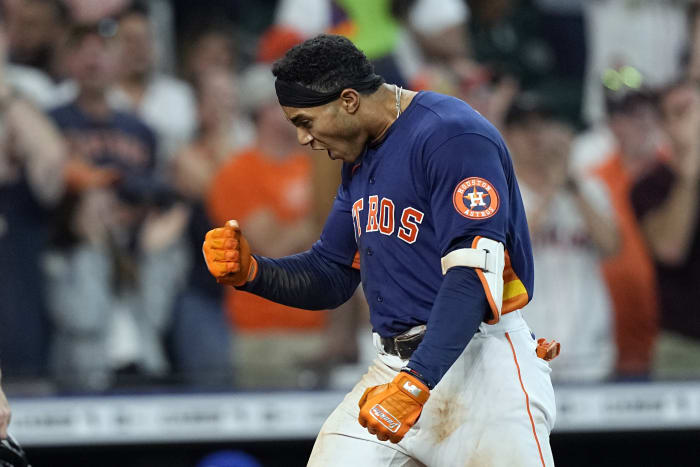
(547, 350)
(227, 254)
(389, 410)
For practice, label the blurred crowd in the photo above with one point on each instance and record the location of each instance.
(128, 128)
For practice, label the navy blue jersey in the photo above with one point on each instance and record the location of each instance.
(441, 176)
(121, 140)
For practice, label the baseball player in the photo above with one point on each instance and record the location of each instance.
(429, 217)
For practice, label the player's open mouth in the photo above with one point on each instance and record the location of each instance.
(330, 154)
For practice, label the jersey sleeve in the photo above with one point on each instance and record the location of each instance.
(337, 241)
(467, 189)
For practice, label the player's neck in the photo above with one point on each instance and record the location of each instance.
(381, 112)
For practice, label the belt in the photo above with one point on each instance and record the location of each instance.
(405, 343)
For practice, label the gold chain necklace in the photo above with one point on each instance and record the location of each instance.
(399, 90)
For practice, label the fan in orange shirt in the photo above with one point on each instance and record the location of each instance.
(630, 274)
(268, 188)
(271, 195)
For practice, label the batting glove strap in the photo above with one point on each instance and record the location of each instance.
(417, 375)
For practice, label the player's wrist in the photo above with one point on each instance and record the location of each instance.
(412, 387)
(417, 375)
(250, 274)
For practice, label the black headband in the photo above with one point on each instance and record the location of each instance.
(290, 94)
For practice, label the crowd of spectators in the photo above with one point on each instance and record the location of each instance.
(127, 132)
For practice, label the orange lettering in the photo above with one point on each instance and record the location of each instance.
(410, 218)
(372, 222)
(386, 223)
(356, 208)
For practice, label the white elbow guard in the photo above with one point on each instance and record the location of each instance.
(487, 257)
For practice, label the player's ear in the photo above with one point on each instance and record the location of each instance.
(350, 100)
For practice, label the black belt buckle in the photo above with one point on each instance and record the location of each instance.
(404, 344)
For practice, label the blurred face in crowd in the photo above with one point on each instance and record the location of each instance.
(540, 148)
(211, 50)
(489, 95)
(33, 26)
(136, 45)
(679, 108)
(271, 121)
(91, 11)
(217, 97)
(637, 129)
(524, 141)
(92, 62)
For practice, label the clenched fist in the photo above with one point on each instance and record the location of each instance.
(227, 254)
(390, 410)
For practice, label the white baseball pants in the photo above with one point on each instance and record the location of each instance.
(494, 407)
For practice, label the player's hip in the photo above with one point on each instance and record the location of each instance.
(395, 352)
(500, 358)
(497, 393)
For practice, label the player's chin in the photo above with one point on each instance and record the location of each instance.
(334, 156)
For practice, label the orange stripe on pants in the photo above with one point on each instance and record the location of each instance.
(527, 399)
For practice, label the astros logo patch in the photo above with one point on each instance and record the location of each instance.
(475, 198)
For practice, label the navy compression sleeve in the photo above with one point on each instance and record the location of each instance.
(307, 280)
(459, 308)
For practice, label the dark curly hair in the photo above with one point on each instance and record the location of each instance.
(326, 63)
